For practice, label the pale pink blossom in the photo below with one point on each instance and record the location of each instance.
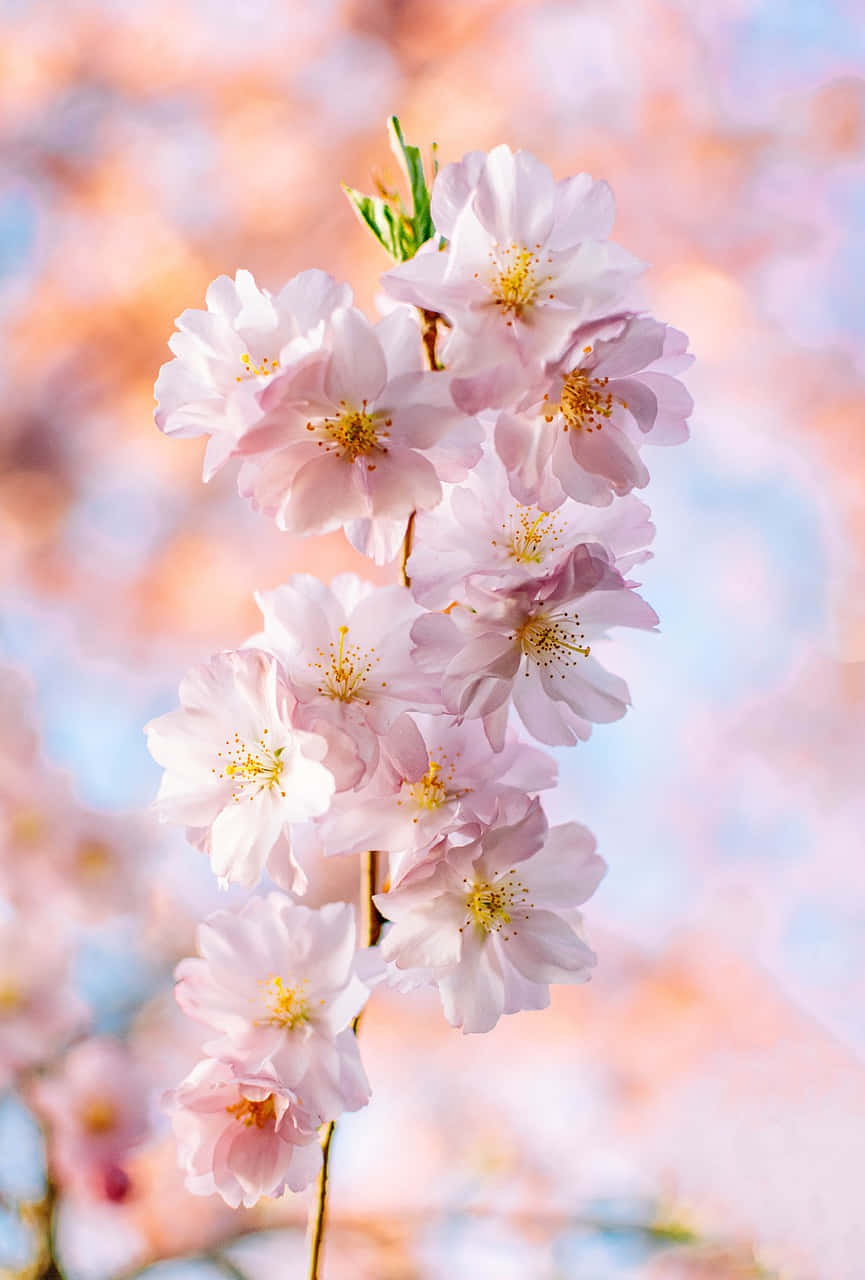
(19, 741)
(278, 982)
(242, 1137)
(364, 424)
(96, 1105)
(436, 779)
(531, 645)
(238, 768)
(39, 1009)
(481, 535)
(346, 649)
(528, 259)
(59, 858)
(226, 355)
(579, 431)
(496, 922)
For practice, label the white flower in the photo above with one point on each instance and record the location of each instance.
(238, 771)
(494, 924)
(226, 355)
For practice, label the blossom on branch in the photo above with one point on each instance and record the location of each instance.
(436, 779)
(528, 259)
(481, 536)
(531, 645)
(242, 1137)
(496, 922)
(278, 982)
(364, 423)
(347, 652)
(226, 355)
(578, 431)
(238, 768)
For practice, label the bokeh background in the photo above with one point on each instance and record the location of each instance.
(698, 1111)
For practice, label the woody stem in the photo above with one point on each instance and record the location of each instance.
(370, 930)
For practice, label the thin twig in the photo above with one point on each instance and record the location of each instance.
(407, 543)
(429, 336)
(319, 1214)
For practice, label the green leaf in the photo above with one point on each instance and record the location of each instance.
(399, 232)
(381, 218)
(410, 158)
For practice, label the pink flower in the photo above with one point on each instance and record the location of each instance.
(226, 355)
(436, 779)
(242, 1137)
(364, 424)
(495, 922)
(238, 769)
(96, 1104)
(278, 982)
(39, 1010)
(528, 259)
(482, 536)
(346, 649)
(581, 435)
(532, 644)
(57, 858)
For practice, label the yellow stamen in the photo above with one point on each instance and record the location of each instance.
(549, 641)
(515, 280)
(98, 1116)
(429, 792)
(253, 767)
(288, 1005)
(344, 670)
(252, 1113)
(11, 998)
(584, 401)
(492, 906)
(253, 370)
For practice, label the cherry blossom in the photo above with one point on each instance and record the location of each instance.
(346, 649)
(226, 355)
(495, 922)
(482, 536)
(39, 1008)
(278, 982)
(242, 1137)
(436, 779)
(238, 770)
(364, 423)
(611, 392)
(528, 259)
(96, 1104)
(532, 645)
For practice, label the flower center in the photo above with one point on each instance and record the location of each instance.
(491, 905)
(94, 858)
(354, 434)
(344, 669)
(253, 370)
(288, 1006)
(584, 401)
(98, 1116)
(11, 998)
(27, 826)
(551, 641)
(515, 281)
(430, 792)
(526, 532)
(252, 1113)
(252, 767)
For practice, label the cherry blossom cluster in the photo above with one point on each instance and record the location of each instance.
(63, 870)
(491, 427)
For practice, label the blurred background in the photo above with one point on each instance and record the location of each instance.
(698, 1111)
